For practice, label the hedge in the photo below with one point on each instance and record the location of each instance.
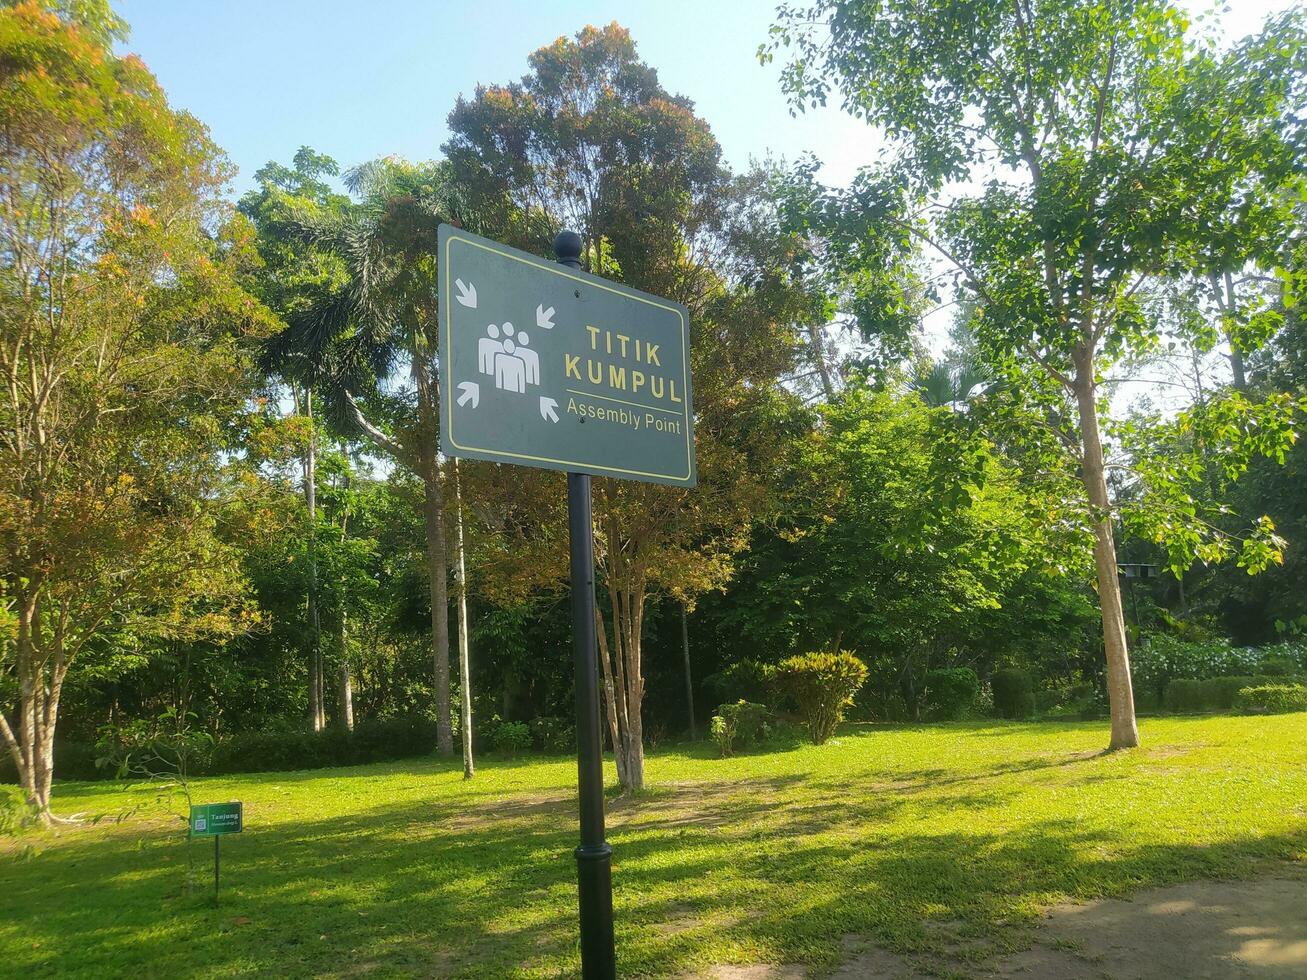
(274, 751)
(1211, 694)
(1272, 698)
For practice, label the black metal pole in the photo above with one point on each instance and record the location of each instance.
(594, 856)
(216, 863)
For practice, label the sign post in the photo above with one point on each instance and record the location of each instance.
(214, 820)
(593, 378)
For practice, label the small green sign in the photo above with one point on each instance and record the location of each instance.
(542, 365)
(212, 819)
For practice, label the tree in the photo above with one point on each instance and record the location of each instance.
(124, 347)
(1104, 146)
(348, 333)
(589, 140)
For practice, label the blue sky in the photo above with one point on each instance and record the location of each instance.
(364, 78)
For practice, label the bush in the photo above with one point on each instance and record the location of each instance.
(823, 685)
(15, 814)
(553, 736)
(1272, 698)
(512, 737)
(951, 693)
(742, 724)
(1014, 693)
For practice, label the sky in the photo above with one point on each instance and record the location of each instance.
(358, 79)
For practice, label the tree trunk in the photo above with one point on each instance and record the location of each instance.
(464, 672)
(346, 682)
(819, 358)
(316, 707)
(437, 568)
(689, 682)
(627, 682)
(1125, 733)
(1236, 355)
(41, 670)
(616, 724)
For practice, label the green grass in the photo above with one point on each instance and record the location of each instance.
(404, 869)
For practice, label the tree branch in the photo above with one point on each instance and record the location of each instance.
(371, 431)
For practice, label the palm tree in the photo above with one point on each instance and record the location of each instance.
(955, 388)
(353, 339)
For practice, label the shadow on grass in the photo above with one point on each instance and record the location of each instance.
(769, 869)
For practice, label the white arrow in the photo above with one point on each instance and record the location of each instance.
(467, 295)
(547, 406)
(544, 318)
(471, 392)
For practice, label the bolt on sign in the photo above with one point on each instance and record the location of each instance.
(546, 366)
(213, 819)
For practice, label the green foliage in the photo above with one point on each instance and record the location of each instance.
(744, 680)
(1077, 165)
(951, 692)
(553, 736)
(509, 737)
(1014, 692)
(1164, 658)
(1272, 698)
(167, 751)
(823, 685)
(1186, 695)
(15, 812)
(739, 725)
(370, 741)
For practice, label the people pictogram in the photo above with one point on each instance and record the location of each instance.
(509, 360)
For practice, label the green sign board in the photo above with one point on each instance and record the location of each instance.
(212, 819)
(542, 365)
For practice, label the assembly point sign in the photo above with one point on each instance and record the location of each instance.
(545, 366)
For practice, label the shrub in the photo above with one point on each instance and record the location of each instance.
(15, 814)
(742, 724)
(1272, 698)
(554, 736)
(512, 737)
(1014, 693)
(823, 685)
(951, 693)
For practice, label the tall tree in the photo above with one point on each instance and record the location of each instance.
(351, 335)
(589, 140)
(124, 342)
(1103, 143)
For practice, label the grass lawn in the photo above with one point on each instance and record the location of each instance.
(405, 869)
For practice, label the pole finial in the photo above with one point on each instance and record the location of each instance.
(567, 248)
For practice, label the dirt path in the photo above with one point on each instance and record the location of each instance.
(1207, 930)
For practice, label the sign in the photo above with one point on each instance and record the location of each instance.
(546, 366)
(212, 819)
